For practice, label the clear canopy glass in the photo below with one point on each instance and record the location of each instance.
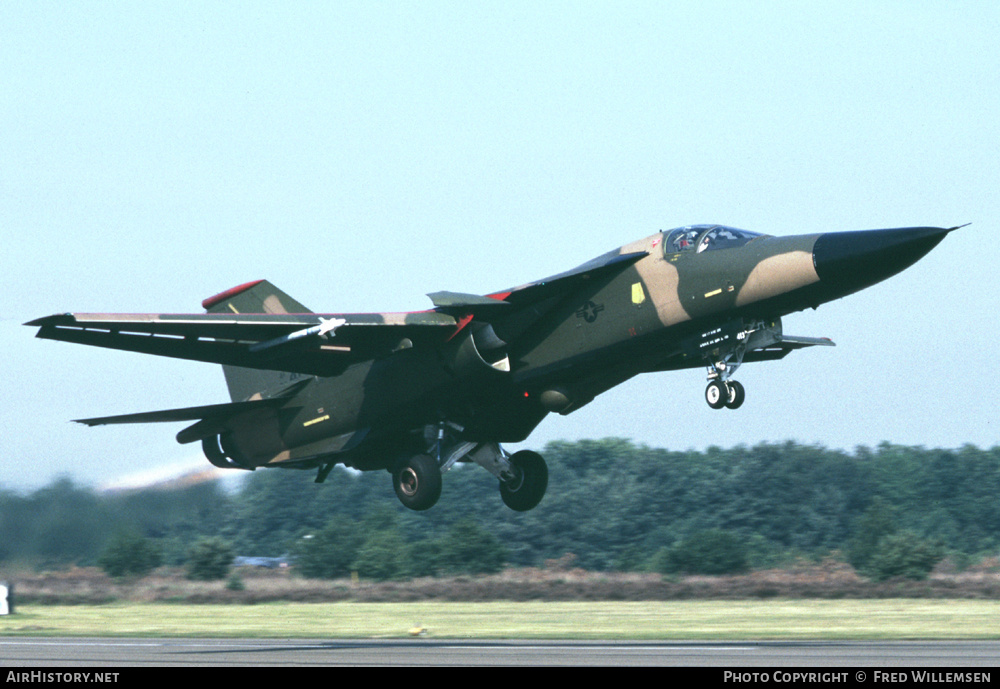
(700, 238)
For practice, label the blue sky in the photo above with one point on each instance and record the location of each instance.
(361, 155)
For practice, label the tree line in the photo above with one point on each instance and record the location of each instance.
(611, 503)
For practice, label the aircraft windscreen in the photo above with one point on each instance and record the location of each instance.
(700, 238)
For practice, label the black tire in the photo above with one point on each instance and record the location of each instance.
(716, 394)
(526, 490)
(417, 481)
(736, 395)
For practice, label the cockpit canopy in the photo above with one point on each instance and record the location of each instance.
(700, 238)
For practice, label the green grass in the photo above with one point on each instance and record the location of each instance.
(704, 620)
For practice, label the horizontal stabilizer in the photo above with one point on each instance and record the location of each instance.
(186, 413)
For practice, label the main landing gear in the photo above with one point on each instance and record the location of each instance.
(523, 477)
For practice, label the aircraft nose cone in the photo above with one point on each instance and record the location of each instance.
(849, 261)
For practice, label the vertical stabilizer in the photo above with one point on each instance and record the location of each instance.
(253, 297)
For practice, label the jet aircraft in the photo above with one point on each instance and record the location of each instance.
(414, 393)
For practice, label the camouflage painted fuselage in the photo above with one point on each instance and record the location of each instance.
(665, 310)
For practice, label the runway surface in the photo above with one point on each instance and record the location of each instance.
(123, 653)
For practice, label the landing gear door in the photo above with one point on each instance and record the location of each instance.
(711, 344)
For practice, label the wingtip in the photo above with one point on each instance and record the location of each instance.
(87, 422)
(54, 319)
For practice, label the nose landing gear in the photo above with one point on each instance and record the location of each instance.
(721, 391)
(723, 350)
(725, 393)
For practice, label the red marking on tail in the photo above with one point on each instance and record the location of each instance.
(228, 294)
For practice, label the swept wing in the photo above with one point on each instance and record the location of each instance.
(261, 341)
(307, 343)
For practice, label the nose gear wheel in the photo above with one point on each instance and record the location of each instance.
(725, 393)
